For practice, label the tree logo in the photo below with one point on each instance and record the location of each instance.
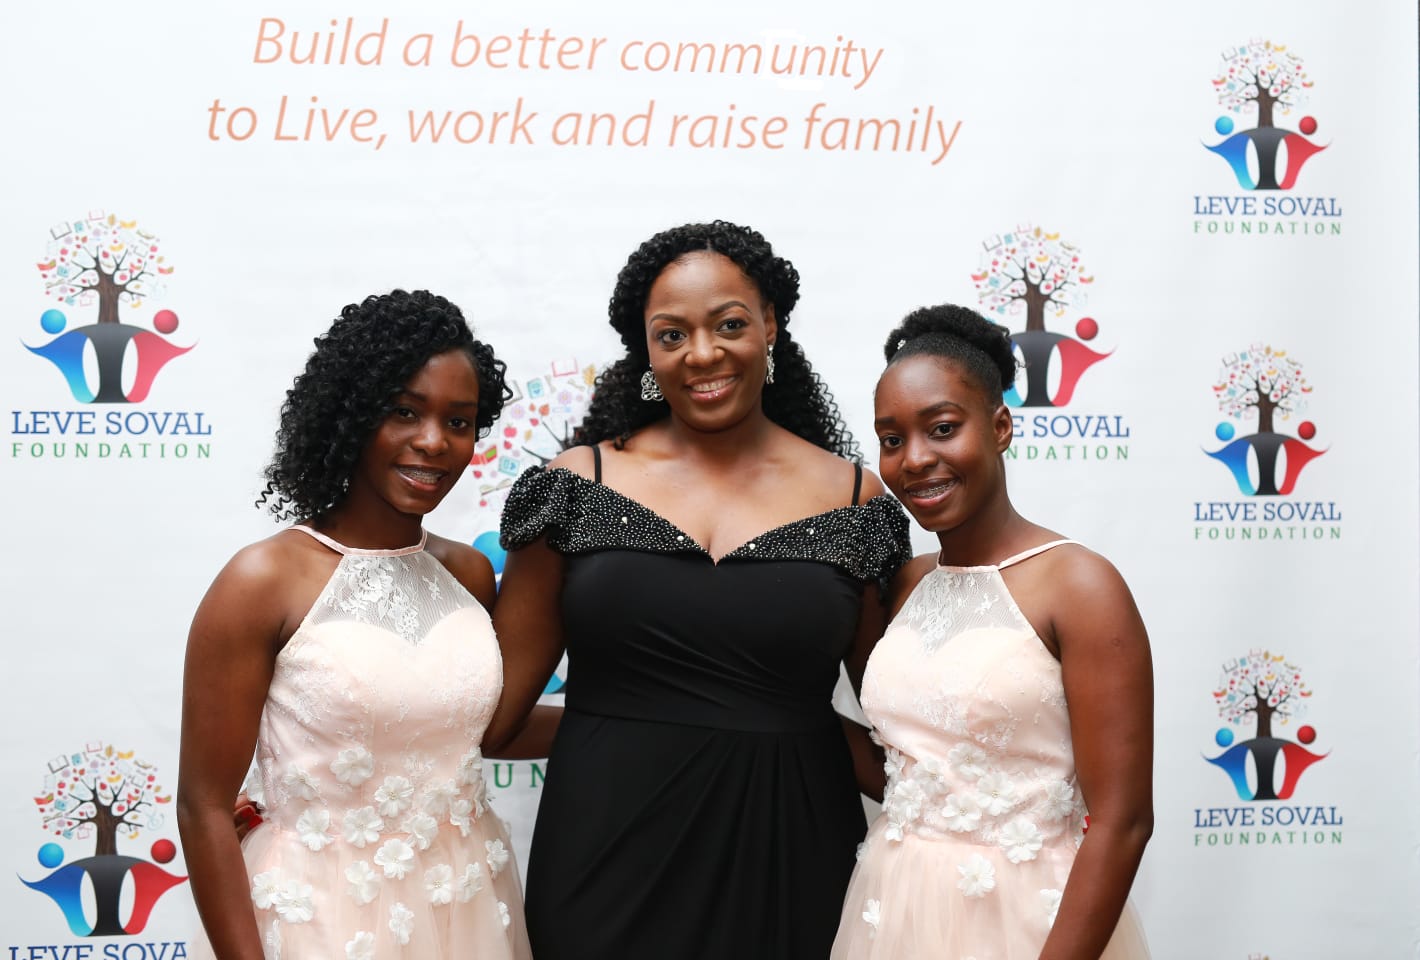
(1267, 687)
(105, 262)
(101, 794)
(1032, 271)
(1264, 79)
(1263, 382)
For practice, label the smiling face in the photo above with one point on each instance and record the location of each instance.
(940, 442)
(420, 449)
(708, 330)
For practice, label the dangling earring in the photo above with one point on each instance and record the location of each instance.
(650, 389)
(769, 365)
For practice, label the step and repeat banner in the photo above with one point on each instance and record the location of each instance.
(1200, 223)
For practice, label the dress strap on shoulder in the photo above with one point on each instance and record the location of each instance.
(597, 463)
(345, 551)
(1027, 554)
(857, 482)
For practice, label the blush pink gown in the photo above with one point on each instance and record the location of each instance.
(377, 838)
(982, 814)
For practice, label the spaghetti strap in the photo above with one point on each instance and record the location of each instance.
(345, 551)
(857, 482)
(1027, 554)
(596, 463)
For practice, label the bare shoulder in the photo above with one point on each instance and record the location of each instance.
(578, 460)
(1081, 572)
(468, 566)
(268, 564)
(828, 473)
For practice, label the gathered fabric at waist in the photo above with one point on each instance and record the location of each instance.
(698, 708)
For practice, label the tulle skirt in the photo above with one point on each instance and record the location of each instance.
(459, 897)
(944, 899)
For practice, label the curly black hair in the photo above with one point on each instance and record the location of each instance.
(798, 400)
(961, 334)
(359, 366)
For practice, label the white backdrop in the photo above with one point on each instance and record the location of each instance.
(1049, 131)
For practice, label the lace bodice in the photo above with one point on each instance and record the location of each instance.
(377, 705)
(971, 710)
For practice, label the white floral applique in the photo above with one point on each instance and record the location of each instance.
(295, 902)
(394, 796)
(353, 766)
(461, 814)
(471, 882)
(401, 923)
(311, 827)
(1050, 900)
(439, 884)
(361, 946)
(872, 916)
(422, 830)
(1059, 800)
(1021, 840)
(996, 793)
(962, 812)
(364, 881)
(497, 856)
(969, 760)
(265, 888)
(504, 915)
(395, 857)
(298, 783)
(439, 798)
(978, 876)
(361, 826)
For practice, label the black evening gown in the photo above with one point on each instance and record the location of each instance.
(700, 799)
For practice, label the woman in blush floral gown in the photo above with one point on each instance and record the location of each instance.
(1012, 692)
(355, 653)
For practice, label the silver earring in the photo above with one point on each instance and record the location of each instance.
(769, 365)
(650, 389)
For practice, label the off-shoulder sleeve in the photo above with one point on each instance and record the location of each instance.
(886, 542)
(541, 502)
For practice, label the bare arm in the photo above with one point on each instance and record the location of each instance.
(1108, 676)
(528, 620)
(231, 653)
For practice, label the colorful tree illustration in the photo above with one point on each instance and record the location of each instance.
(102, 258)
(1031, 270)
(1262, 684)
(536, 426)
(1262, 74)
(103, 792)
(1261, 379)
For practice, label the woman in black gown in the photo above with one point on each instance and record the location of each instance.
(707, 558)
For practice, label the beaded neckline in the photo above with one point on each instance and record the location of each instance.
(808, 526)
(343, 550)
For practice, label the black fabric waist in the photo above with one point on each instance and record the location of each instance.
(758, 716)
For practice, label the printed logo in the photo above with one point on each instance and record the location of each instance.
(1269, 691)
(99, 795)
(1034, 272)
(105, 269)
(1264, 384)
(1261, 82)
(102, 263)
